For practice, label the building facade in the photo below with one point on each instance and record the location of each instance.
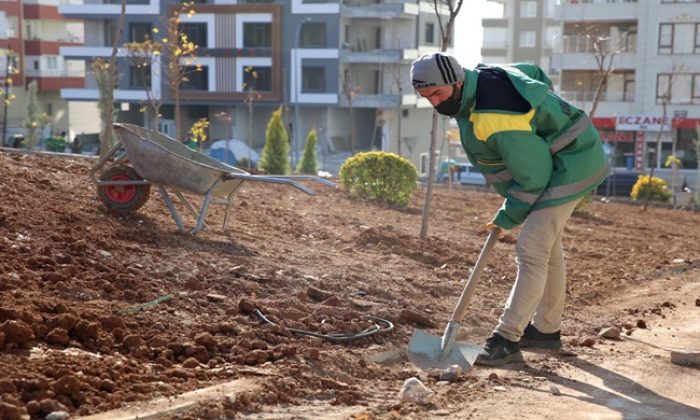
(31, 34)
(650, 106)
(341, 67)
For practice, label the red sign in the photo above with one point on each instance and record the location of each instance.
(639, 152)
(616, 136)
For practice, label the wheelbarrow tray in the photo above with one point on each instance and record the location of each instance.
(162, 160)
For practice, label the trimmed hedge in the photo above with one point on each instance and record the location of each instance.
(379, 176)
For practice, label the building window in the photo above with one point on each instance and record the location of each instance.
(313, 79)
(139, 77)
(257, 35)
(429, 33)
(196, 32)
(528, 9)
(679, 38)
(313, 35)
(197, 80)
(260, 78)
(110, 32)
(139, 32)
(10, 23)
(684, 88)
(51, 62)
(527, 39)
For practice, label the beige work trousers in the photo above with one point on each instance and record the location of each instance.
(540, 285)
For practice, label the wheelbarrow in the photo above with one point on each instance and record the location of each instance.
(145, 157)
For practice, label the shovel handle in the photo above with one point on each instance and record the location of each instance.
(470, 287)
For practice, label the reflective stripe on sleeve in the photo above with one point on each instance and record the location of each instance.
(501, 176)
(570, 135)
(525, 197)
(566, 190)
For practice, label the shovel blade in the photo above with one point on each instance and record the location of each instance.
(426, 352)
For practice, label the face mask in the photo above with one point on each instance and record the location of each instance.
(450, 106)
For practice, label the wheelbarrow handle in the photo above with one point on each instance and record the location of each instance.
(470, 287)
(270, 179)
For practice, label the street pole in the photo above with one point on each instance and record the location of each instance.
(296, 136)
(7, 86)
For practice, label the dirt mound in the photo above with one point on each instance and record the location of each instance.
(99, 310)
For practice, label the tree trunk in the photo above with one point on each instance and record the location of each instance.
(112, 78)
(178, 128)
(431, 171)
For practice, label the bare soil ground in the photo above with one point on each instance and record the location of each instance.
(70, 271)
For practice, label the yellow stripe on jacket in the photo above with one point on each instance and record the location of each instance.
(487, 123)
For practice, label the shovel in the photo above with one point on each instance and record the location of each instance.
(430, 352)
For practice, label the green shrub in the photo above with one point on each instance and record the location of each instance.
(656, 190)
(245, 163)
(309, 163)
(275, 154)
(380, 176)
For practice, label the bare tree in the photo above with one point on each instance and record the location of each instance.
(252, 95)
(180, 53)
(666, 98)
(605, 49)
(446, 31)
(145, 57)
(396, 73)
(350, 92)
(110, 73)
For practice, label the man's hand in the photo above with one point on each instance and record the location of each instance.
(491, 226)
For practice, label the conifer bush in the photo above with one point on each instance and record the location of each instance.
(379, 176)
(309, 162)
(656, 190)
(275, 154)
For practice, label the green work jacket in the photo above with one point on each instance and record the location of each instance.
(535, 148)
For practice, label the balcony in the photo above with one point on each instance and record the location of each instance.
(93, 8)
(610, 103)
(596, 10)
(388, 9)
(377, 100)
(45, 47)
(376, 56)
(582, 44)
(89, 51)
(577, 52)
(494, 23)
(54, 80)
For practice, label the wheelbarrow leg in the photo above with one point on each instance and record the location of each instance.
(189, 206)
(171, 207)
(203, 212)
(227, 212)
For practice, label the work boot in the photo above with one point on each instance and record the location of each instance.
(499, 351)
(534, 339)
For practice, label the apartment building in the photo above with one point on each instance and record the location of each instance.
(655, 54)
(527, 31)
(341, 67)
(31, 33)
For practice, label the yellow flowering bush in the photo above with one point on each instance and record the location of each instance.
(655, 189)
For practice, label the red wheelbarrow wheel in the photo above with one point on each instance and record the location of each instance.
(122, 197)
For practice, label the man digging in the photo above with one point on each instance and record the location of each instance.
(539, 152)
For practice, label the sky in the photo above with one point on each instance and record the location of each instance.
(468, 31)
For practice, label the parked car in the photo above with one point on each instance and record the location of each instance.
(462, 172)
(618, 184)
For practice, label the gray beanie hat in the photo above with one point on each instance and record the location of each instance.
(435, 70)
